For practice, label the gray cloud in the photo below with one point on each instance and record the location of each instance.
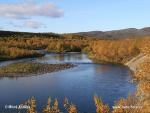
(28, 9)
(27, 24)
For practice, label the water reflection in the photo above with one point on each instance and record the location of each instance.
(65, 58)
(79, 84)
(102, 69)
(5, 63)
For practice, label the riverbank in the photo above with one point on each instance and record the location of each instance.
(140, 100)
(134, 54)
(31, 68)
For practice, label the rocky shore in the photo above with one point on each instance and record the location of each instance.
(31, 68)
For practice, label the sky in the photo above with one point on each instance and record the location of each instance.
(67, 16)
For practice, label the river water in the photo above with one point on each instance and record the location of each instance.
(78, 84)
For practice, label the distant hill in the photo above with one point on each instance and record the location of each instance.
(123, 33)
(28, 34)
(114, 34)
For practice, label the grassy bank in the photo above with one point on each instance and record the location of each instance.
(31, 68)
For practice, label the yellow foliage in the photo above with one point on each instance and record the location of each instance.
(100, 107)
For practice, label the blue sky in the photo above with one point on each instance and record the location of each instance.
(62, 16)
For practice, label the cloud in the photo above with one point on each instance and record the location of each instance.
(33, 24)
(27, 24)
(28, 9)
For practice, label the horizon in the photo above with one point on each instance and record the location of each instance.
(72, 16)
(77, 32)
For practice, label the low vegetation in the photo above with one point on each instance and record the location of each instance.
(10, 53)
(100, 106)
(51, 106)
(31, 68)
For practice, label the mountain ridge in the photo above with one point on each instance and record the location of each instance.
(122, 33)
(113, 34)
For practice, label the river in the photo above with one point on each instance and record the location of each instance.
(78, 84)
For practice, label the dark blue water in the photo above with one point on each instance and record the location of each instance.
(78, 84)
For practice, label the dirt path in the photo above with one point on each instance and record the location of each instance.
(133, 64)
